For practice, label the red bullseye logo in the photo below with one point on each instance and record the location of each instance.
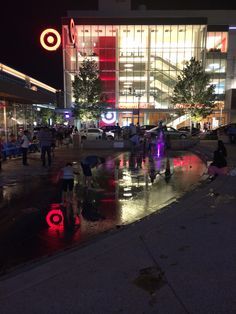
(72, 31)
(50, 39)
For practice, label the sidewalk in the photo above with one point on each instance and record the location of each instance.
(181, 260)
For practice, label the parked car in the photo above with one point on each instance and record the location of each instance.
(222, 130)
(95, 134)
(168, 131)
(195, 131)
(108, 128)
(145, 127)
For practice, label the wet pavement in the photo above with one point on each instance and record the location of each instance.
(127, 188)
(178, 260)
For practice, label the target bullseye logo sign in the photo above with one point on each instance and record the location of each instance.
(72, 31)
(109, 117)
(50, 39)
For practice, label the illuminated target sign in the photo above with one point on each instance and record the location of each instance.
(50, 39)
(72, 31)
(109, 117)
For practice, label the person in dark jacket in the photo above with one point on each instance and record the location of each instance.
(46, 139)
(87, 164)
(221, 148)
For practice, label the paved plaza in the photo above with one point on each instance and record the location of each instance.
(179, 260)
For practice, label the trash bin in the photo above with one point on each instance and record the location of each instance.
(76, 140)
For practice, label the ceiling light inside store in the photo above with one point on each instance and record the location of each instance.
(128, 65)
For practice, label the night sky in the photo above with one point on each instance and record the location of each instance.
(22, 22)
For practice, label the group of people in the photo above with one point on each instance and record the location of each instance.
(46, 143)
(67, 173)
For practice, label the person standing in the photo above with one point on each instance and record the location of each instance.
(46, 139)
(221, 148)
(24, 147)
(117, 131)
(232, 134)
(67, 176)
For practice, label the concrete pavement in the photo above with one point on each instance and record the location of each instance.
(181, 260)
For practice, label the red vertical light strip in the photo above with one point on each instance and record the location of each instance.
(107, 66)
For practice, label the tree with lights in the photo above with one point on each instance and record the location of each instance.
(87, 90)
(193, 95)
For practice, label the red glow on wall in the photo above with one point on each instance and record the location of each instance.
(107, 60)
(108, 78)
(50, 39)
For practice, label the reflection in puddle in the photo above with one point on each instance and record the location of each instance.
(125, 189)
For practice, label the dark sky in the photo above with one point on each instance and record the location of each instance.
(22, 22)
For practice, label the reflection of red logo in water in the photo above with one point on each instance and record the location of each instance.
(55, 218)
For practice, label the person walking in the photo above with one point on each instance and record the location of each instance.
(87, 164)
(46, 139)
(25, 142)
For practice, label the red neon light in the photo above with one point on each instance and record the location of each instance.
(108, 78)
(107, 60)
(50, 39)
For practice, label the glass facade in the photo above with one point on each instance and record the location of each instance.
(138, 64)
(216, 59)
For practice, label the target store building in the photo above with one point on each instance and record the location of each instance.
(140, 54)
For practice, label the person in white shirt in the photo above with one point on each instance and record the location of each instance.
(67, 175)
(25, 142)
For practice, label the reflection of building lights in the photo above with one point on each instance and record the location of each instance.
(55, 218)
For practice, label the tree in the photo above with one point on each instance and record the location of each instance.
(193, 93)
(87, 89)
